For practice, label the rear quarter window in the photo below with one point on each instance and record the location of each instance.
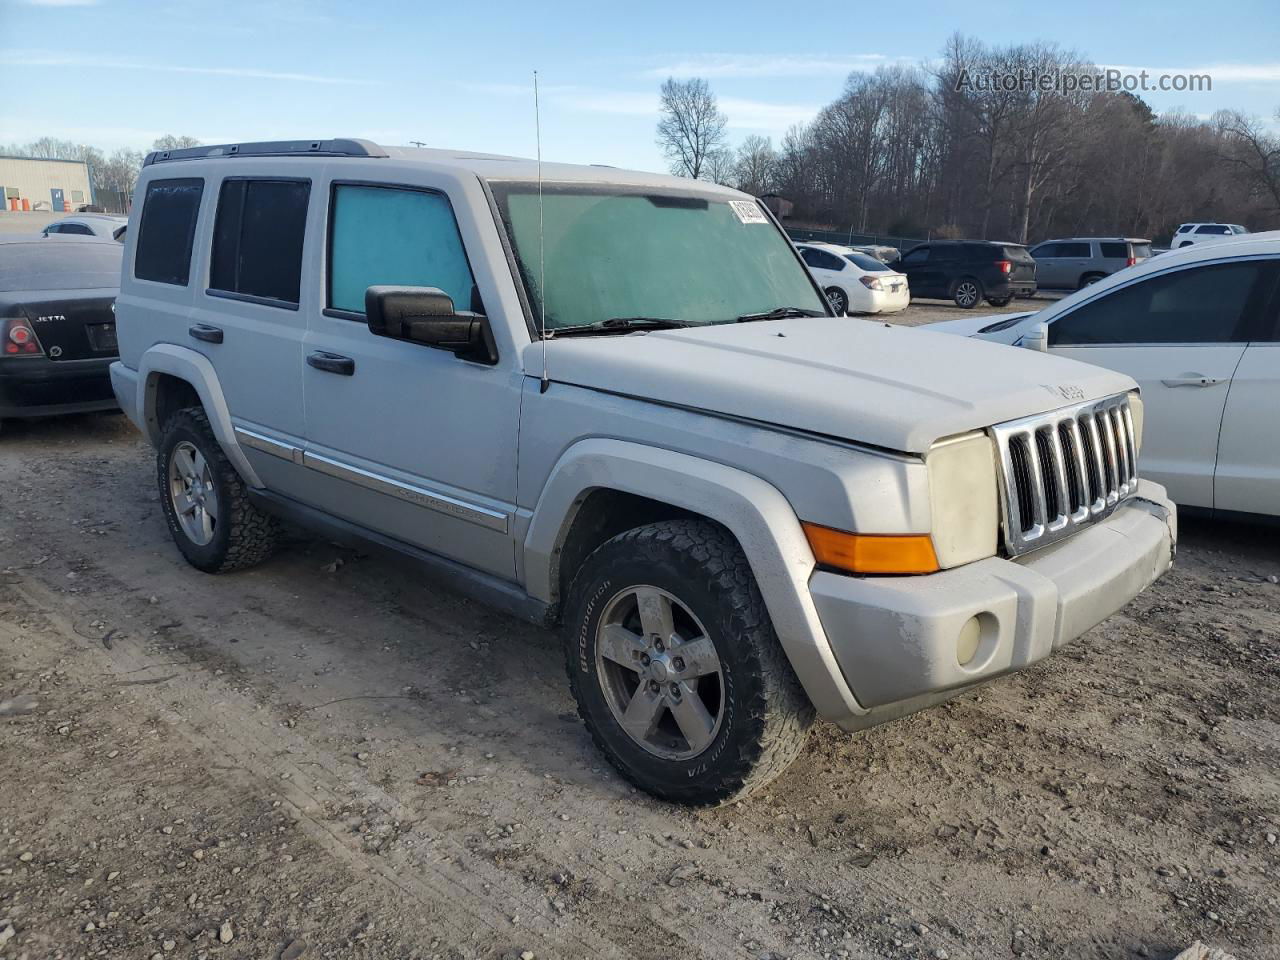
(167, 230)
(1115, 251)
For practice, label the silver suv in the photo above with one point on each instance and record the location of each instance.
(618, 402)
(1080, 261)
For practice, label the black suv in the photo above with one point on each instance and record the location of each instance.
(970, 271)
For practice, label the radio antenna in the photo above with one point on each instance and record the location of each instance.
(542, 256)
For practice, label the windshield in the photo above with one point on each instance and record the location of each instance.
(611, 251)
(53, 265)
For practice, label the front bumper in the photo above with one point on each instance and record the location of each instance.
(40, 387)
(895, 638)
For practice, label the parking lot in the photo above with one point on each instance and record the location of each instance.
(328, 756)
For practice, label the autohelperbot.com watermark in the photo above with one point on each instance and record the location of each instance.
(1101, 80)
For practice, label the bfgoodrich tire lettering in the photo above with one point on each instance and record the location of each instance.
(763, 714)
(242, 535)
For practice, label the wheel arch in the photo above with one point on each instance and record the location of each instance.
(170, 377)
(601, 475)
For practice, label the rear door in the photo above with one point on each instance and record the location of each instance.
(1048, 268)
(1247, 478)
(1180, 334)
(1022, 266)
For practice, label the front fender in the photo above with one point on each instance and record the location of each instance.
(195, 368)
(755, 512)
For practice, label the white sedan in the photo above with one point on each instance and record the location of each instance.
(1199, 329)
(104, 226)
(855, 282)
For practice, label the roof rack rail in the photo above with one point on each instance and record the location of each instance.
(271, 148)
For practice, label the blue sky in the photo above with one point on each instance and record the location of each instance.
(121, 72)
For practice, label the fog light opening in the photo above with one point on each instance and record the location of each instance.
(969, 641)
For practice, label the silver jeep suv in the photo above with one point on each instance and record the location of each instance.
(618, 402)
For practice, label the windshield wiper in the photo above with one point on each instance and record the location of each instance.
(619, 325)
(780, 313)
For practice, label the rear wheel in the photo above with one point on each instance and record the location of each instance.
(839, 300)
(205, 503)
(676, 668)
(967, 293)
(1089, 279)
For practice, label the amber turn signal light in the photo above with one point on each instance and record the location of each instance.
(871, 553)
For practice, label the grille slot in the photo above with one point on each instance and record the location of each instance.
(1064, 469)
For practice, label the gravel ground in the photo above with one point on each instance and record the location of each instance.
(328, 757)
(921, 312)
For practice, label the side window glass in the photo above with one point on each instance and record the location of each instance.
(167, 230)
(77, 228)
(1199, 305)
(917, 256)
(1077, 251)
(1115, 251)
(1046, 251)
(809, 256)
(257, 238)
(388, 235)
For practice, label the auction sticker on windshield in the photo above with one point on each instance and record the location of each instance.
(748, 212)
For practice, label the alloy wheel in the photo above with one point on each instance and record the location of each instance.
(967, 293)
(660, 673)
(192, 492)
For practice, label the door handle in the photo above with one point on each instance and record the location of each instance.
(202, 331)
(1193, 380)
(332, 363)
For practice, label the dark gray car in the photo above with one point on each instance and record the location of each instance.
(1079, 261)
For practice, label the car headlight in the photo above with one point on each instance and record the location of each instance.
(964, 499)
(1136, 411)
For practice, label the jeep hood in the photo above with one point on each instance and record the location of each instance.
(899, 388)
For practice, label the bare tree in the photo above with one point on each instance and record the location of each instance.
(691, 128)
(754, 166)
(170, 142)
(720, 167)
(1253, 152)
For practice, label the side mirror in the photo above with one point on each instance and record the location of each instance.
(426, 315)
(1036, 337)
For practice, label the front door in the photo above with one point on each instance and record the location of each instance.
(1181, 335)
(1248, 473)
(409, 441)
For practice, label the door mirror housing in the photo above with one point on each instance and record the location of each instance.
(1036, 337)
(426, 315)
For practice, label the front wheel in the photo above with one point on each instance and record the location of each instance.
(967, 293)
(839, 300)
(676, 668)
(204, 500)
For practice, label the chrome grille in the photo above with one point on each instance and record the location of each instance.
(1064, 469)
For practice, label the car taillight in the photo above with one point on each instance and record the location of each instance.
(871, 283)
(19, 339)
(1131, 262)
(1005, 265)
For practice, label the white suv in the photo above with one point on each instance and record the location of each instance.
(1190, 233)
(619, 402)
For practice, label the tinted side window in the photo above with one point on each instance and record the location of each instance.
(918, 255)
(1046, 251)
(257, 238)
(1115, 251)
(77, 228)
(1078, 251)
(1214, 228)
(167, 229)
(386, 235)
(1200, 305)
(822, 260)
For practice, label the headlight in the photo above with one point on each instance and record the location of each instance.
(964, 499)
(1136, 411)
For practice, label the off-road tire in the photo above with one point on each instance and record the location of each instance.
(766, 716)
(243, 535)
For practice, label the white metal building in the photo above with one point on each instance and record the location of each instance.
(44, 185)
